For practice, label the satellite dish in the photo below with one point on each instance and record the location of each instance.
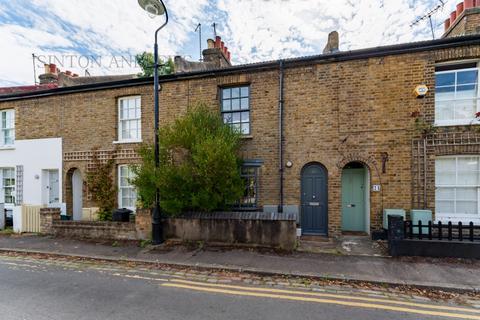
(153, 7)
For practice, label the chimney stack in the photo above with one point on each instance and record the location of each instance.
(217, 52)
(465, 20)
(50, 75)
(332, 43)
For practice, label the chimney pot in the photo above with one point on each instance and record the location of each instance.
(68, 73)
(210, 43)
(459, 9)
(447, 24)
(453, 16)
(53, 68)
(222, 44)
(75, 75)
(228, 55)
(225, 50)
(218, 40)
(467, 4)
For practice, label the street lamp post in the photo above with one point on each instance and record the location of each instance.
(156, 8)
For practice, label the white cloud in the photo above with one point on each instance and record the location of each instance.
(90, 27)
(258, 29)
(254, 30)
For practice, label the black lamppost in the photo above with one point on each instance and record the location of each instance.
(156, 8)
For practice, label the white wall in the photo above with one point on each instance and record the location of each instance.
(34, 155)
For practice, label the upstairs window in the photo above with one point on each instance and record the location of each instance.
(235, 106)
(129, 119)
(456, 94)
(7, 185)
(7, 127)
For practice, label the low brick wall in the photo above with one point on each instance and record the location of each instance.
(51, 224)
(274, 230)
(101, 230)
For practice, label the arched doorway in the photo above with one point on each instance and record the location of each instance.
(314, 200)
(355, 198)
(77, 194)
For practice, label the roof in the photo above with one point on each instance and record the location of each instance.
(27, 89)
(381, 51)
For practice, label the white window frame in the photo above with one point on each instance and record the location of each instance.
(121, 121)
(459, 122)
(2, 186)
(122, 187)
(3, 114)
(454, 216)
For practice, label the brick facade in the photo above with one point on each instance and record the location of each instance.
(335, 112)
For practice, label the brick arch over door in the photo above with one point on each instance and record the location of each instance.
(372, 166)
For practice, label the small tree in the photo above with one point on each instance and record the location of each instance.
(146, 62)
(199, 167)
(101, 184)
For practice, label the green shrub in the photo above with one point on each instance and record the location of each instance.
(101, 185)
(199, 167)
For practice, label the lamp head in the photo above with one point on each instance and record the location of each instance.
(153, 7)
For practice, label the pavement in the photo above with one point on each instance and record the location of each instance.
(51, 288)
(441, 274)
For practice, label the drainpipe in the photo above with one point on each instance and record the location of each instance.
(280, 132)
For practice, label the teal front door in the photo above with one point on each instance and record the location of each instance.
(353, 199)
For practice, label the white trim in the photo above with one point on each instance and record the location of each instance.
(127, 141)
(119, 120)
(454, 216)
(457, 122)
(455, 62)
(2, 129)
(120, 187)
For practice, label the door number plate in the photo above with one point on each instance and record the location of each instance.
(316, 204)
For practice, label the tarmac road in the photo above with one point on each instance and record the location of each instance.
(41, 289)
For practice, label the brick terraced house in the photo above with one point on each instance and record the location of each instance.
(335, 138)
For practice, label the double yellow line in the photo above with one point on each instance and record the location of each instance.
(328, 298)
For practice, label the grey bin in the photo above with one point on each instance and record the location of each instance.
(390, 212)
(420, 215)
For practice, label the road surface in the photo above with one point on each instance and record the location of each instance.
(33, 288)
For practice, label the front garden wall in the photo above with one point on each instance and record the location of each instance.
(233, 228)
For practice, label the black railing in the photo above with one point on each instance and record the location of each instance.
(441, 231)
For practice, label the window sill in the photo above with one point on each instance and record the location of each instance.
(10, 147)
(127, 141)
(453, 124)
(247, 136)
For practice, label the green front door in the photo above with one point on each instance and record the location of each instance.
(353, 199)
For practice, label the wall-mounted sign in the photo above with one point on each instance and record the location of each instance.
(420, 91)
(376, 188)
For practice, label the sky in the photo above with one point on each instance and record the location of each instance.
(102, 36)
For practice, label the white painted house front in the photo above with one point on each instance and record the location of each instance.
(30, 170)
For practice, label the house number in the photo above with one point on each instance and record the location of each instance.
(376, 188)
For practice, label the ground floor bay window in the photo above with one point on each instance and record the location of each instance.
(457, 189)
(127, 195)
